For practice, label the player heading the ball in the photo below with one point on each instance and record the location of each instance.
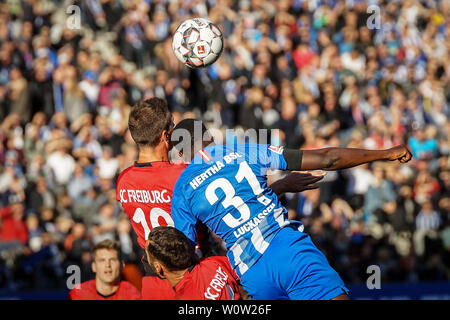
(226, 188)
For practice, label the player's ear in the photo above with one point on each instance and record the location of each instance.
(148, 257)
(159, 269)
(165, 137)
(94, 269)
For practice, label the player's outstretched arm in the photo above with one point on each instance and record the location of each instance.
(342, 158)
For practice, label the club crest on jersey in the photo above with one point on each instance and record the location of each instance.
(276, 149)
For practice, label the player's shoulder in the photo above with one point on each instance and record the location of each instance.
(167, 168)
(88, 285)
(248, 149)
(155, 288)
(214, 259)
(125, 172)
(84, 291)
(215, 263)
(178, 166)
(188, 173)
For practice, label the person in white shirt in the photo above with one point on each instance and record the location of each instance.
(61, 164)
(107, 164)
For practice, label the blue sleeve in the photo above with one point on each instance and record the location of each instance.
(265, 155)
(182, 215)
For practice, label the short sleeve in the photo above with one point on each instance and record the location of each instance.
(265, 155)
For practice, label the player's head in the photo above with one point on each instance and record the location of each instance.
(151, 124)
(168, 250)
(106, 262)
(189, 137)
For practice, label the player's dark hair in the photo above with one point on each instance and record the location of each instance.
(147, 121)
(107, 244)
(189, 125)
(171, 247)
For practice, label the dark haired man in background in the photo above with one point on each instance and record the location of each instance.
(107, 284)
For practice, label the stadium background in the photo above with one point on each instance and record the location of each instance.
(310, 68)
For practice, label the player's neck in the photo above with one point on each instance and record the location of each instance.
(174, 277)
(158, 153)
(106, 289)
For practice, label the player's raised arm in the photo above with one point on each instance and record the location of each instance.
(341, 158)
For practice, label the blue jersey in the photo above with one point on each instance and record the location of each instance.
(226, 188)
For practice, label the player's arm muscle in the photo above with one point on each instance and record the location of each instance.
(341, 158)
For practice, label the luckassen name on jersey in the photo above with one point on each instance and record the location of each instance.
(255, 221)
(144, 196)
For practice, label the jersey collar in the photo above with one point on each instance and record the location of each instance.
(146, 164)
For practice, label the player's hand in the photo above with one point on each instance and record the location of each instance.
(400, 153)
(297, 181)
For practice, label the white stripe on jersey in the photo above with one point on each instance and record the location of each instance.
(279, 217)
(237, 251)
(204, 155)
(258, 241)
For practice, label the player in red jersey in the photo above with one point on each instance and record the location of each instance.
(107, 284)
(145, 188)
(172, 257)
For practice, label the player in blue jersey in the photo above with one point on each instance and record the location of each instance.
(225, 187)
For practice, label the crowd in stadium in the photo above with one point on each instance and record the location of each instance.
(312, 69)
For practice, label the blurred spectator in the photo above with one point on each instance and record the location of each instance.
(107, 164)
(312, 70)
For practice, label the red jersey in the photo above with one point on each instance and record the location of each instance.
(88, 291)
(145, 192)
(211, 279)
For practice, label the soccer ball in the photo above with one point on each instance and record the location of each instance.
(197, 43)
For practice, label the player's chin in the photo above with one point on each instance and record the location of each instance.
(109, 277)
